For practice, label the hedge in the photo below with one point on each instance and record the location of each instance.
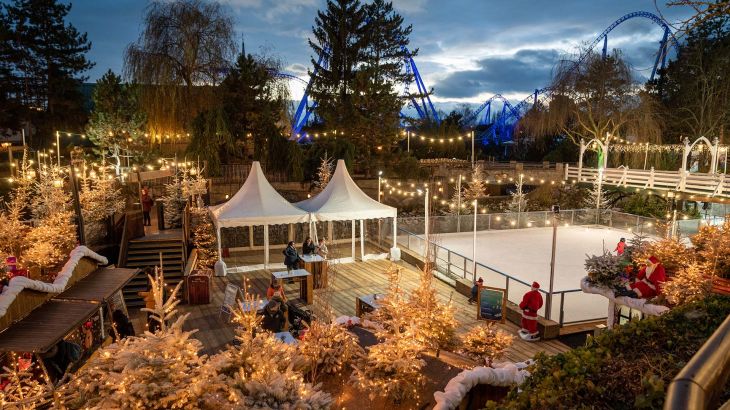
(627, 368)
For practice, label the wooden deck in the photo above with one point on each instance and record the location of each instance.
(351, 280)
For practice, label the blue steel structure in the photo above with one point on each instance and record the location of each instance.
(505, 123)
(424, 107)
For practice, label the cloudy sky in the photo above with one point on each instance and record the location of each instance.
(467, 49)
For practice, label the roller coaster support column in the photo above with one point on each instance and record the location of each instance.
(534, 99)
(662, 54)
(605, 46)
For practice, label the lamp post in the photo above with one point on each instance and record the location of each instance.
(408, 141)
(549, 304)
(380, 178)
(472, 149)
(458, 204)
(58, 148)
(474, 245)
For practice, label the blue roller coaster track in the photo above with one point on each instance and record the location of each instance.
(421, 101)
(509, 118)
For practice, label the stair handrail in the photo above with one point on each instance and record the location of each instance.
(131, 231)
(700, 383)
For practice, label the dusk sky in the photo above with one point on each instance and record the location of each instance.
(468, 50)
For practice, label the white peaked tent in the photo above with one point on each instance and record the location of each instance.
(256, 203)
(343, 200)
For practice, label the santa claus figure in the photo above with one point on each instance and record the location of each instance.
(531, 303)
(649, 281)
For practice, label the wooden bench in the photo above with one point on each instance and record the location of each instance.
(548, 329)
(720, 286)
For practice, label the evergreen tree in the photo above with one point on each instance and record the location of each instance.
(324, 172)
(597, 197)
(115, 125)
(518, 203)
(47, 60)
(477, 185)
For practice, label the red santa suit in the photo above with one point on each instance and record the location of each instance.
(650, 280)
(531, 303)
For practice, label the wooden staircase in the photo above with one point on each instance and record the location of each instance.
(147, 252)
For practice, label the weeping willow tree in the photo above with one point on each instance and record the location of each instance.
(596, 97)
(183, 52)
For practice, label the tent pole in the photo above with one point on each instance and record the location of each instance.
(353, 240)
(266, 246)
(362, 239)
(220, 248)
(395, 232)
(250, 236)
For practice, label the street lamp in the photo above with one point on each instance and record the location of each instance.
(549, 304)
(472, 149)
(380, 178)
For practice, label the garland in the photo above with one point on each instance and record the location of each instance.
(18, 283)
(508, 374)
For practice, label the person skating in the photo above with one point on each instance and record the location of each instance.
(621, 247)
(531, 303)
(475, 290)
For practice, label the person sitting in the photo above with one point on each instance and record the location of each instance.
(291, 257)
(275, 290)
(531, 303)
(621, 247)
(308, 246)
(122, 325)
(322, 248)
(475, 290)
(274, 319)
(648, 282)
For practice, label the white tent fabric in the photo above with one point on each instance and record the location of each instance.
(343, 200)
(257, 203)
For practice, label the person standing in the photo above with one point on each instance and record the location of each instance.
(531, 303)
(322, 248)
(291, 257)
(308, 247)
(147, 203)
(621, 247)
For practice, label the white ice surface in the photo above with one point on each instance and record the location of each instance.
(525, 254)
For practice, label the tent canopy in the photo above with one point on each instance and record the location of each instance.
(342, 200)
(257, 203)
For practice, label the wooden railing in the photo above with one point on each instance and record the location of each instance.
(716, 185)
(133, 228)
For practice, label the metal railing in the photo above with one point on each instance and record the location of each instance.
(450, 266)
(700, 383)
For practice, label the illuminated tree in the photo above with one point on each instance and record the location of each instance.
(485, 342)
(204, 238)
(24, 391)
(712, 244)
(13, 228)
(155, 371)
(477, 185)
(688, 285)
(328, 348)
(393, 367)
(435, 324)
(672, 253)
(324, 172)
(100, 198)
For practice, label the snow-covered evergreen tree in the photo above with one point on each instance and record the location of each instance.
(393, 367)
(174, 201)
(597, 197)
(54, 232)
(435, 321)
(100, 197)
(194, 185)
(518, 203)
(13, 228)
(477, 185)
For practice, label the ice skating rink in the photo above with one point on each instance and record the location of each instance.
(525, 254)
